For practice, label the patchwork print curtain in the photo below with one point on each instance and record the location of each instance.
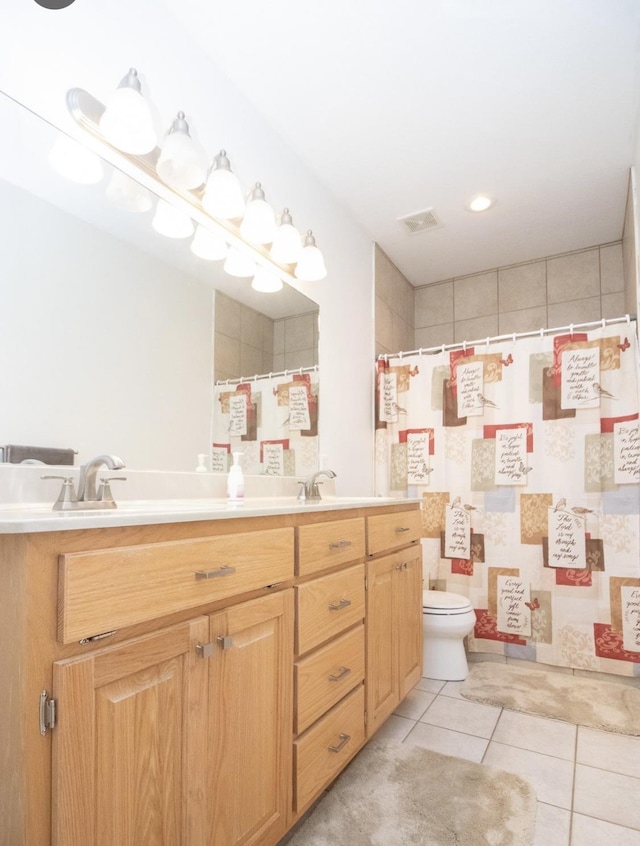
(272, 421)
(526, 456)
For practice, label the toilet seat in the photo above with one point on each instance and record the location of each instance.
(441, 602)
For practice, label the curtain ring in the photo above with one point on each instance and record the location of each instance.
(571, 331)
(420, 352)
(514, 338)
(464, 346)
(487, 342)
(444, 345)
(604, 322)
(628, 320)
(400, 355)
(541, 332)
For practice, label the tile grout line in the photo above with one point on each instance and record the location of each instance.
(492, 735)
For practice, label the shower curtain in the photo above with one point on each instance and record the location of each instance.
(272, 420)
(525, 454)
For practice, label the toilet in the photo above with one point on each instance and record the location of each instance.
(447, 619)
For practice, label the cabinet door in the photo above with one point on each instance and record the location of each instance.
(128, 762)
(382, 655)
(409, 627)
(250, 721)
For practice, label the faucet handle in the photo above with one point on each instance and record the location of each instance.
(302, 494)
(67, 497)
(104, 491)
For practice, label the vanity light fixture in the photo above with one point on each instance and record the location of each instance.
(75, 162)
(182, 163)
(480, 203)
(171, 222)
(287, 246)
(217, 202)
(222, 193)
(259, 222)
(266, 281)
(310, 267)
(238, 263)
(208, 245)
(128, 194)
(126, 121)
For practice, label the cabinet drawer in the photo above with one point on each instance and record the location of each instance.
(390, 531)
(327, 606)
(327, 675)
(325, 544)
(322, 752)
(111, 588)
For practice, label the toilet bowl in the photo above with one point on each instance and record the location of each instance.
(447, 619)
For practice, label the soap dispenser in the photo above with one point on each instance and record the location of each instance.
(235, 482)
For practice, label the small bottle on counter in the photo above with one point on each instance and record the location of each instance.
(202, 467)
(235, 481)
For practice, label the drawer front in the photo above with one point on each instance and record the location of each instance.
(390, 531)
(108, 589)
(328, 606)
(324, 545)
(327, 675)
(323, 751)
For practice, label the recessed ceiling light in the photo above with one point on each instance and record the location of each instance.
(480, 203)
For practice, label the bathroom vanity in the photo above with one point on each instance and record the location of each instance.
(184, 678)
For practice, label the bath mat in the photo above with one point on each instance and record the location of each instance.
(584, 702)
(401, 795)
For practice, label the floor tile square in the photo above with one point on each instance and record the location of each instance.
(447, 742)
(585, 831)
(552, 826)
(608, 796)
(550, 737)
(452, 688)
(462, 715)
(552, 778)
(395, 728)
(605, 750)
(415, 704)
(430, 685)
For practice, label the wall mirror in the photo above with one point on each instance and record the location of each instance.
(107, 327)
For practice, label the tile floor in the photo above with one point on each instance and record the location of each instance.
(587, 781)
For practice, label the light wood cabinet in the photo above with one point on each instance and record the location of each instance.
(394, 632)
(210, 678)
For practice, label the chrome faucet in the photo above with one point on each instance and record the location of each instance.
(87, 491)
(309, 490)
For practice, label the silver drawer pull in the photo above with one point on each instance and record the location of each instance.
(400, 529)
(342, 672)
(344, 739)
(342, 544)
(338, 606)
(225, 641)
(213, 574)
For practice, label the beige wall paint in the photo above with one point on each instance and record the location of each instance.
(575, 287)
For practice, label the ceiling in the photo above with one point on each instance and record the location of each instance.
(417, 104)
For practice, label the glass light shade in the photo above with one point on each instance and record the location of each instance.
(480, 204)
(287, 245)
(222, 195)
(310, 266)
(239, 264)
(259, 222)
(126, 121)
(73, 161)
(128, 194)
(171, 222)
(266, 281)
(182, 163)
(207, 245)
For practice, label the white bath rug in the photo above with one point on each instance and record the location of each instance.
(598, 704)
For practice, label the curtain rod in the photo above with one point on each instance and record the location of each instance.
(462, 345)
(255, 378)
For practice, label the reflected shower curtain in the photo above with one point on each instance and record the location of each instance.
(272, 420)
(526, 457)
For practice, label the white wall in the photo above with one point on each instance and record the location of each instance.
(43, 53)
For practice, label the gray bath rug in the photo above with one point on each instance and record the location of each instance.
(584, 702)
(394, 794)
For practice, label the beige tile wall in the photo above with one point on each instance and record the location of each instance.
(395, 307)
(247, 343)
(576, 287)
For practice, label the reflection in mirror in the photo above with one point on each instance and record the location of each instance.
(106, 329)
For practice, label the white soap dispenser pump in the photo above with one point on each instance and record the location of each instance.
(235, 481)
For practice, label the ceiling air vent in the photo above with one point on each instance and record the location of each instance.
(419, 221)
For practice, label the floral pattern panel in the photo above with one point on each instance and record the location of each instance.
(525, 454)
(271, 420)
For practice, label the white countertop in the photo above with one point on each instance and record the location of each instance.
(41, 518)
